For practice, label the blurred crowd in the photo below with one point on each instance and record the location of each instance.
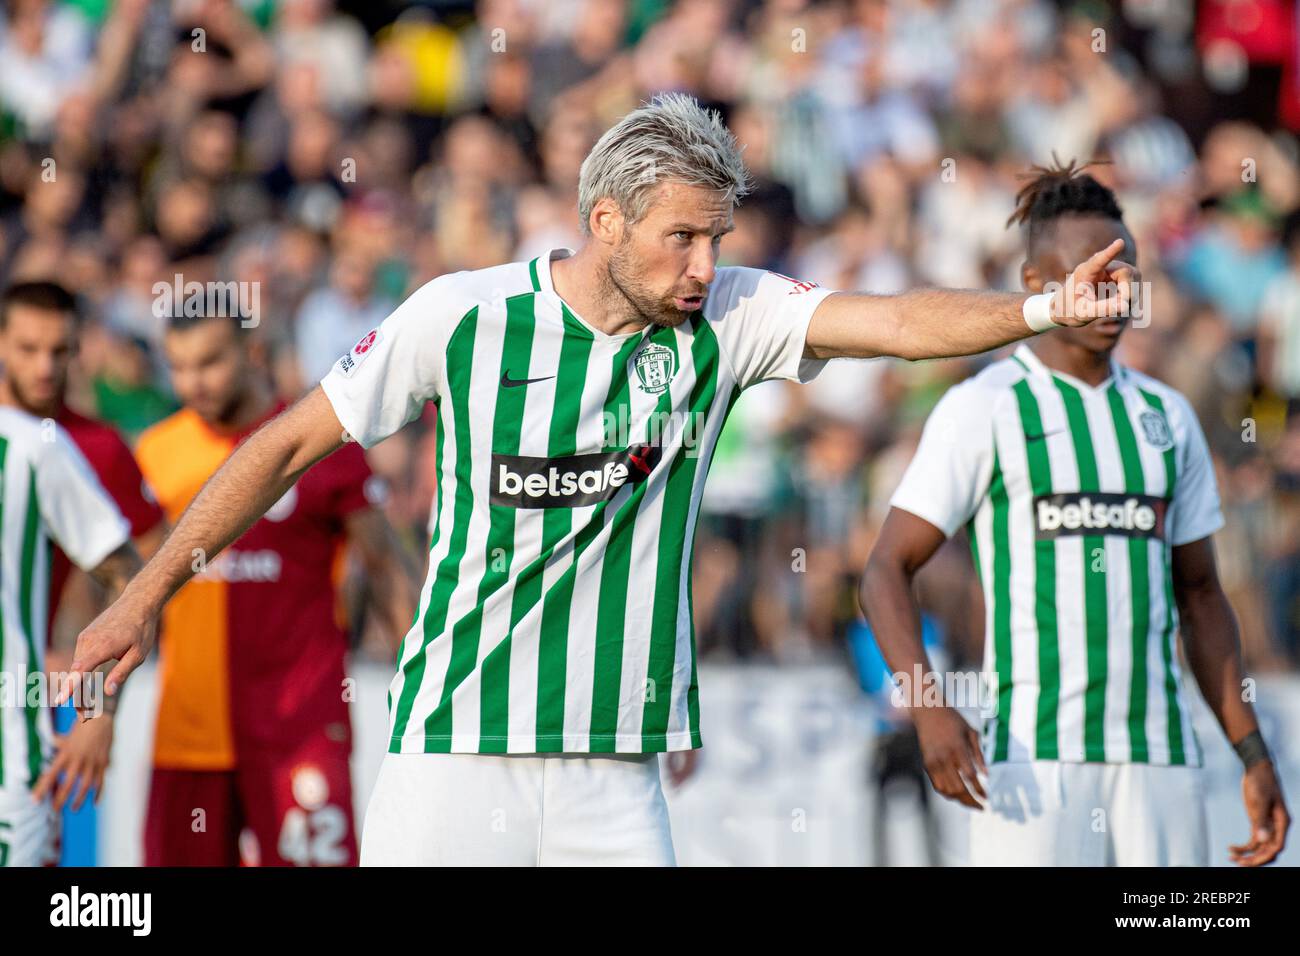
(338, 155)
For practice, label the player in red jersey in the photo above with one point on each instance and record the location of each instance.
(38, 340)
(253, 718)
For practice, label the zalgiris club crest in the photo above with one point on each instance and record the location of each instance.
(655, 367)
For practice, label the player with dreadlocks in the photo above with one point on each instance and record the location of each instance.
(1088, 495)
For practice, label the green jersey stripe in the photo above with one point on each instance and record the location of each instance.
(1177, 743)
(31, 535)
(507, 426)
(557, 605)
(1177, 754)
(668, 582)
(557, 523)
(532, 276)
(1001, 572)
(611, 607)
(1096, 616)
(1139, 586)
(460, 360)
(1047, 746)
(439, 456)
(573, 327)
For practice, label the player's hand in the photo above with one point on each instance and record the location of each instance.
(681, 766)
(1269, 820)
(950, 749)
(1101, 286)
(80, 758)
(123, 634)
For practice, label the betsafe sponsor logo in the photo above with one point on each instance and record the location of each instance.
(571, 481)
(1133, 516)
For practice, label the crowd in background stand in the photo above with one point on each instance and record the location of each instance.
(339, 155)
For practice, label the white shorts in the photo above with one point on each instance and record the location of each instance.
(1048, 813)
(517, 810)
(28, 832)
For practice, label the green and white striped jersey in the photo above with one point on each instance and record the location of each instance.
(556, 614)
(48, 491)
(1073, 497)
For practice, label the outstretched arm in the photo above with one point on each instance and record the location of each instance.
(260, 471)
(938, 323)
(1209, 631)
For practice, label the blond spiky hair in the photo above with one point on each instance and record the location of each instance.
(672, 138)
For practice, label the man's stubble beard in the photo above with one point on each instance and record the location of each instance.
(39, 409)
(624, 285)
(228, 413)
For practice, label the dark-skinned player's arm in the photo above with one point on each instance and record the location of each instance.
(252, 479)
(943, 487)
(1209, 631)
(937, 323)
(949, 745)
(392, 577)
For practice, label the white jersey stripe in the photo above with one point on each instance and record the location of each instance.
(1115, 560)
(1024, 580)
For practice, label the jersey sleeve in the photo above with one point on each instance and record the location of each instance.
(763, 324)
(385, 379)
(950, 472)
(1195, 512)
(81, 517)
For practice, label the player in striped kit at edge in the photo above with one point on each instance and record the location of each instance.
(1089, 497)
(580, 396)
(49, 495)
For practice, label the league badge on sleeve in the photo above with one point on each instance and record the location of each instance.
(349, 363)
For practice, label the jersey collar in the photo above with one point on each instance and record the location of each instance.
(542, 282)
(543, 277)
(1026, 356)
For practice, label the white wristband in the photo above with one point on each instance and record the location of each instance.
(1037, 311)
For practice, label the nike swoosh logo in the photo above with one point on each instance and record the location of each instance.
(1041, 435)
(508, 382)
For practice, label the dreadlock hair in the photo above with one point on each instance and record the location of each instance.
(1058, 190)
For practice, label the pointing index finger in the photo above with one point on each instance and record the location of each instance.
(1098, 261)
